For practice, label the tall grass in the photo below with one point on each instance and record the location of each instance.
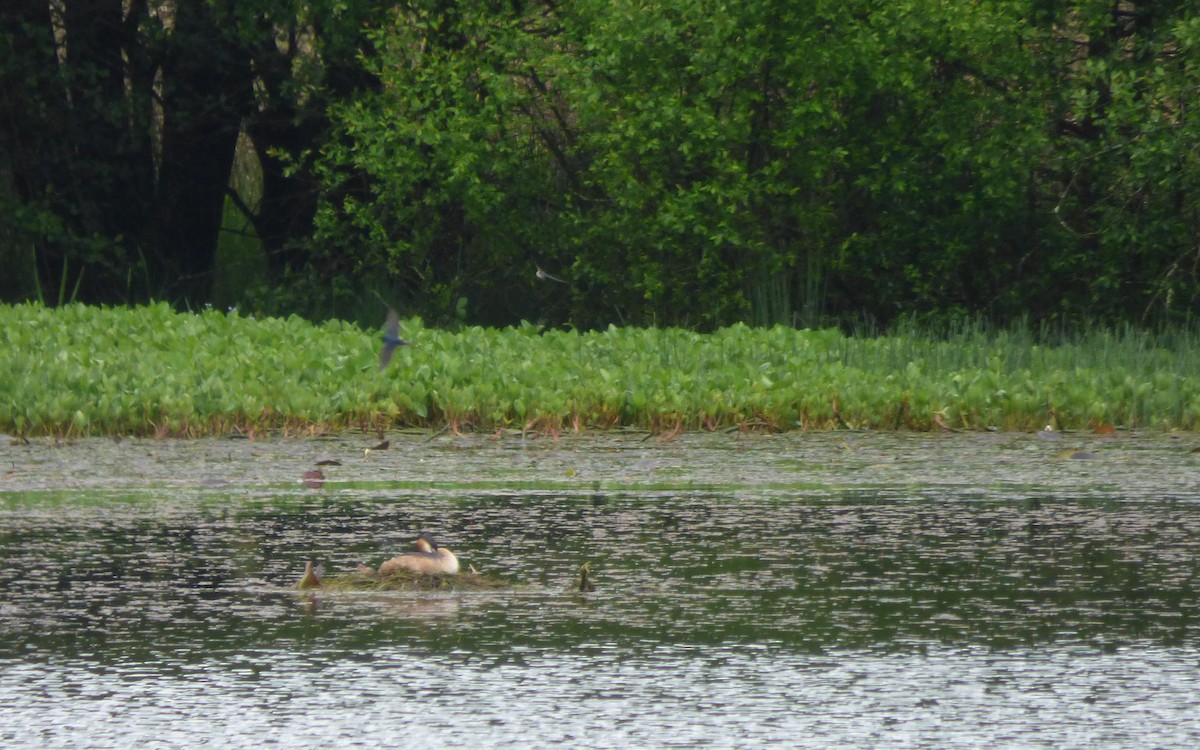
(149, 370)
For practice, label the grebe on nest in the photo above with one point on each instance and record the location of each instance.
(429, 559)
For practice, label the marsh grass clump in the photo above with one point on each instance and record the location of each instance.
(78, 370)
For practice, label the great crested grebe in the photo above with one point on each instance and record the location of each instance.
(429, 559)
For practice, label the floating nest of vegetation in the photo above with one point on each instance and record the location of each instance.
(403, 580)
(406, 581)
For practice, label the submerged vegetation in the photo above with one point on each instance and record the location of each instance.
(79, 370)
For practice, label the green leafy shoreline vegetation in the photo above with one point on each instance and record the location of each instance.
(80, 370)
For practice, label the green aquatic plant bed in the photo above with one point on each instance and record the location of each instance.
(78, 370)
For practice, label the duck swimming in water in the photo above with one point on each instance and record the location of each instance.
(429, 559)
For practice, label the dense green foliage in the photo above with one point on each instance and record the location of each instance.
(124, 121)
(150, 370)
(683, 162)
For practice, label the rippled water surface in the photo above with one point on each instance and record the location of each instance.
(810, 590)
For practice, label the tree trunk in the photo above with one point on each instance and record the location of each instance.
(206, 93)
(32, 145)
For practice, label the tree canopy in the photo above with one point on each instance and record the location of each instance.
(685, 162)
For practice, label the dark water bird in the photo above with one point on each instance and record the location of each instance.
(381, 446)
(391, 338)
(541, 274)
(429, 559)
(585, 579)
(312, 576)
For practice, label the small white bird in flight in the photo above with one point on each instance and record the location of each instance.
(547, 276)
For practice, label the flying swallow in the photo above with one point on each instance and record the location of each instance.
(546, 276)
(391, 338)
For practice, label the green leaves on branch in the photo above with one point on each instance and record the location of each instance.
(696, 163)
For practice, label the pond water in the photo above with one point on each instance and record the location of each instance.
(806, 590)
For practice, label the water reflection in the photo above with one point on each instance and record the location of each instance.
(948, 604)
(605, 695)
(722, 568)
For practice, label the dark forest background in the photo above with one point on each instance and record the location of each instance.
(682, 162)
